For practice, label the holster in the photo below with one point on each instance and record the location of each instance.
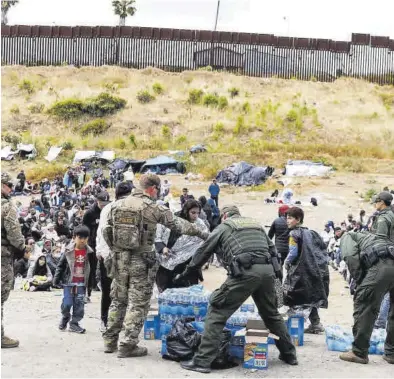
(235, 268)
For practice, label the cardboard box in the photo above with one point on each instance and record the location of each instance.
(256, 344)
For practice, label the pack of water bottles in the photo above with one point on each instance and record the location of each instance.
(183, 303)
(238, 320)
(339, 339)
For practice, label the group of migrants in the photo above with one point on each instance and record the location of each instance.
(126, 246)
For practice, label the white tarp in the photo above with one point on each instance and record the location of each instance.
(53, 153)
(306, 168)
(28, 148)
(80, 155)
(108, 155)
(7, 153)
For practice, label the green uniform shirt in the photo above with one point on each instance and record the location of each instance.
(383, 225)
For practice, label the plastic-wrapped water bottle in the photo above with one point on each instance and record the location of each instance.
(18, 283)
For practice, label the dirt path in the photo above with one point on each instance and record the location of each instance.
(47, 352)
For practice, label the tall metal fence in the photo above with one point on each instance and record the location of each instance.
(263, 55)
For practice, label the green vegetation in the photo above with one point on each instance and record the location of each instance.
(133, 139)
(234, 91)
(94, 127)
(36, 108)
(157, 88)
(27, 86)
(246, 108)
(166, 132)
(68, 145)
(195, 96)
(145, 97)
(102, 105)
(240, 126)
(15, 110)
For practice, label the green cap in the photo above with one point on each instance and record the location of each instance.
(383, 196)
(6, 178)
(231, 210)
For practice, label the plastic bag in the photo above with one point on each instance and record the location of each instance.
(182, 342)
(223, 360)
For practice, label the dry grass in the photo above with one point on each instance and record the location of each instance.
(348, 123)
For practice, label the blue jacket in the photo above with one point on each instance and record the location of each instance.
(214, 189)
(215, 209)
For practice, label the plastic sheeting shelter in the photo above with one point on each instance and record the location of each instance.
(106, 156)
(244, 174)
(124, 164)
(163, 165)
(306, 168)
(53, 153)
(198, 149)
(7, 153)
(26, 150)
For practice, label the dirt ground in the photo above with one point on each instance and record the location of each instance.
(46, 352)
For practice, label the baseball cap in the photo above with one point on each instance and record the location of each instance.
(6, 179)
(231, 210)
(383, 196)
(103, 197)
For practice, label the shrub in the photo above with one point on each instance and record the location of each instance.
(133, 139)
(166, 132)
(157, 88)
(67, 145)
(222, 102)
(14, 110)
(49, 170)
(292, 115)
(181, 139)
(210, 100)
(120, 143)
(145, 97)
(206, 68)
(234, 91)
(36, 108)
(246, 107)
(67, 109)
(95, 127)
(104, 104)
(218, 128)
(240, 126)
(12, 139)
(27, 86)
(195, 96)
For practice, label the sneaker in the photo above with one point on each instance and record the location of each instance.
(75, 328)
(8, 343)
(351, 357)
(314, 329)
(125, 352)
(86, 299)
(63, 323)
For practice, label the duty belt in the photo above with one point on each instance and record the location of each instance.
(261, 261)
(372, 257)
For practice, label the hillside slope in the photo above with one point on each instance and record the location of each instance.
(348, 123)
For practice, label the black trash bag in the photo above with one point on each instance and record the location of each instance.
(182, 342)
(223, 360)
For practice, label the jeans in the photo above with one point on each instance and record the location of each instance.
(381, 321)
(75, 302)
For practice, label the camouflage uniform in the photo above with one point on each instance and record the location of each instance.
(11, 239)
(133, 272)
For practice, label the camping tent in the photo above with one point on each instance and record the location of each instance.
(104, 156)
(306, 168)
(163, 165)
(53, 153)
(244, 174)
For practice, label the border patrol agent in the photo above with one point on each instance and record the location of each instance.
(130, 231)
(11, 240)
(249, 256)
(370, 260)
(383, 225)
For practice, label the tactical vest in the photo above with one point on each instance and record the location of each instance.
(247, 236)
(4, 240)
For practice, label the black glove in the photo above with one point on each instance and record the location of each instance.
(279, 275)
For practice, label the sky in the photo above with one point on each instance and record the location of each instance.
(333, 19)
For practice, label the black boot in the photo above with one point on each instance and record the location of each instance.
(190, 365)
(290, 360)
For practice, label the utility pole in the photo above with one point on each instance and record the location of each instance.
(217, 15)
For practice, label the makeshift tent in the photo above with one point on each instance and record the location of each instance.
(124, 164)
(244, 174)
(27, 151)
(7, 153)
(306, 168)
(53, 153)
(104, 156)
(198, 149)
(163, 165)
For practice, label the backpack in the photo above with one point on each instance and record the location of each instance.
(128, 223)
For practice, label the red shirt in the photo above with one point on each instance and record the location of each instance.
(79, 266)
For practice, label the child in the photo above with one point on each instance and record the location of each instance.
(76, 260)
(307, 278)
